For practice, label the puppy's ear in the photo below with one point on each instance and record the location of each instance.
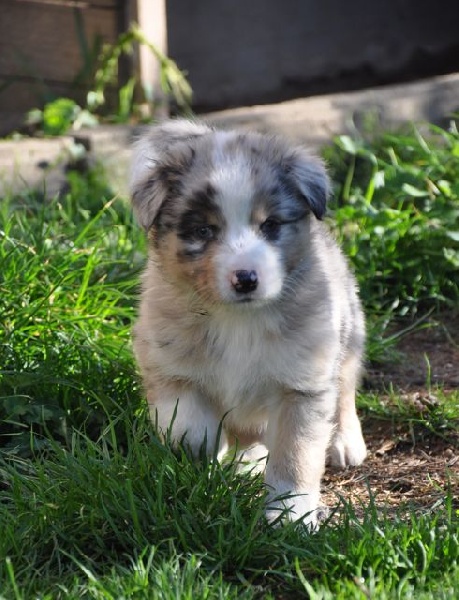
(308, 175)
(159, 157)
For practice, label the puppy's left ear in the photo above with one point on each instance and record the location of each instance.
(160, 158)
(308, 175)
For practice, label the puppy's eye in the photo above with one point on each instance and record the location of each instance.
(271, 228)
(204, 232)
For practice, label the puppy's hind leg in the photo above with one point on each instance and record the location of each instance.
(252, 459)
(348, 446)
(182, 414)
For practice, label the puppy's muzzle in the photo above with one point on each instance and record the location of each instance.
(244, 282)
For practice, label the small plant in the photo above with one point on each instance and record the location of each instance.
(63, 114)
(60, 115)
(173, 81)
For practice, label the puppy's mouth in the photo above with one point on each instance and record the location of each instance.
(247, 300)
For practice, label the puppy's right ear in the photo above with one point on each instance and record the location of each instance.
(159, 157)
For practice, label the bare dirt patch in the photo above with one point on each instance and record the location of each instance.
(404, 469)
(428, 356)
(408, 466)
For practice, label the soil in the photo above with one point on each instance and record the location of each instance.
(408, 467)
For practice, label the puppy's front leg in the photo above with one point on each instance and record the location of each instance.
(298, 435)
(186, 415)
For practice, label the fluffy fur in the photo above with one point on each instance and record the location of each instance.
(248, 312)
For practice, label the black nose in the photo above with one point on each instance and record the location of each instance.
(244, 281)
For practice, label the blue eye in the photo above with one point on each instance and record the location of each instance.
(271, 229)
(204, 232)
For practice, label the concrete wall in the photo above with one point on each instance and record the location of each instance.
(256, 51)
(41, 163)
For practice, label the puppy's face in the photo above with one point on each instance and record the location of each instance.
(228, 214)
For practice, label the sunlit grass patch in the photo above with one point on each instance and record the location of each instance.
(92, 504)
(67, 285)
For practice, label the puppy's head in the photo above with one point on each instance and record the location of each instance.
(227, 213)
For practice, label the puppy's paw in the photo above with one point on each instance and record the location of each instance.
(296, 507)
(348, 447)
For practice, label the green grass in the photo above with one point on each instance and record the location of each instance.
(143, 521)
(67, 285)
(398, 216)
(92, 505)
(396, 211)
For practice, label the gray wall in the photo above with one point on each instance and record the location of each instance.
(256, 51)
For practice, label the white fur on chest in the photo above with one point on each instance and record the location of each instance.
(232, 359)
(241, 361)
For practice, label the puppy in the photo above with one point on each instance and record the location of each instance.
(249, 315)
